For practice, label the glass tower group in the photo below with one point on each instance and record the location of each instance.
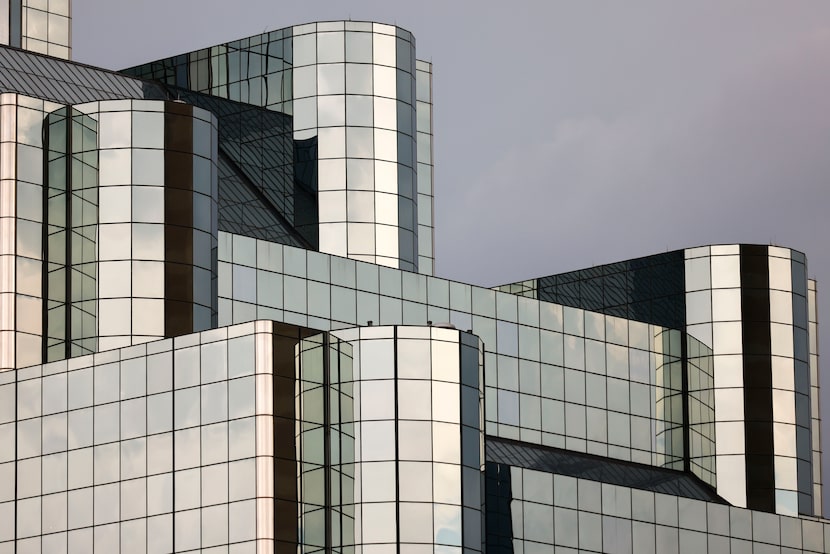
(220, 331)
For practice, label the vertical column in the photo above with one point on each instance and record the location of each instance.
(815, 412)
(755, 303)
(8, 455)
(10, 28)
(701, 410)
(353, 86)
(726, 314)
(669, 398)
(405, 103)
(8, 204)
(132, 231)
(426, 216)
(265, 362)
(795, 327)
(70, 234)
(22, 221)
(312, 447)
(178, 219)
(757, 374)
(5, 22)
(42, 26)
(700, 363)
(286, 451)
(389, 435)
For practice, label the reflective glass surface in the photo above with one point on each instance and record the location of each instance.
(105, 452)
(348, 92)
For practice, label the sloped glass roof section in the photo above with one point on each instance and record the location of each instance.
(267, 180)
(266, 191)
(649, 289)
(66, 82)
(605, 470)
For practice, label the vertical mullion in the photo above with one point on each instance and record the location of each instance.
(397, 442)
(684, 383)
(68, 238)
(328, 510)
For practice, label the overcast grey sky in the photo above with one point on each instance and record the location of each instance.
(581, 132)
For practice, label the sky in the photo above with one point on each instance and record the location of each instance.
(580, 132)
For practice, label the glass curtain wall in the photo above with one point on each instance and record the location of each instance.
(42, 26)
(553, 513)
(21, 225)
(131, 224)
(815, 412)
(426, 183)
(390, 435)
(555, 376)
(159, 447)
(71, 233)
(351, 89)
(750, 303)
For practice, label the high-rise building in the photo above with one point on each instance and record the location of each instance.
(220, 331)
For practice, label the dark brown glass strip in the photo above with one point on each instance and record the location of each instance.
(178, 219)
(757, 372)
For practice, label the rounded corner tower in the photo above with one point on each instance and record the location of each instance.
(356, 179)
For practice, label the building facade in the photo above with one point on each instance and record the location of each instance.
(756, 309)
(41, 26)
(220, 332)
